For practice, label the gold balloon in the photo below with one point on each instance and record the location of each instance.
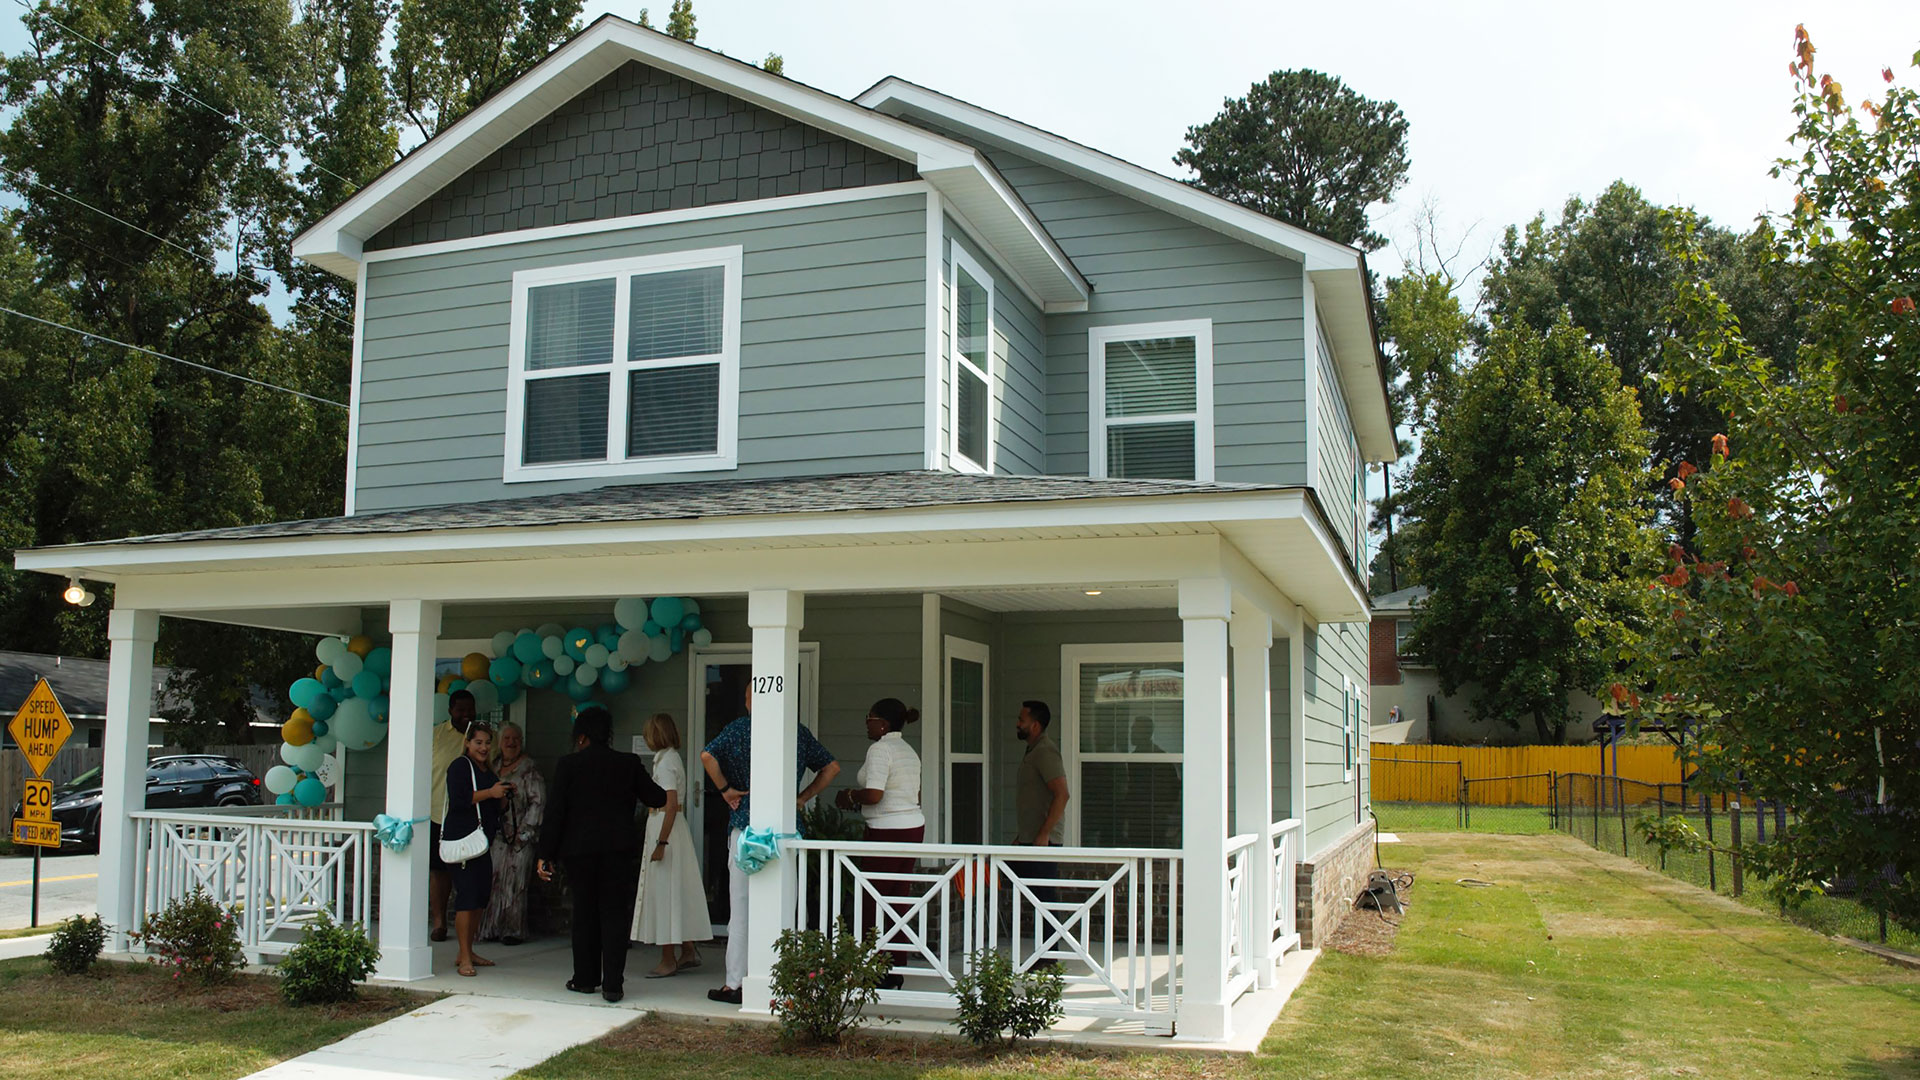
(444, 685)
(360, 645)
(299, 730)
(320, 673)
(473, 666)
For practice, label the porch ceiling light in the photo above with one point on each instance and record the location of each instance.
(1093, 592)
(77, 594)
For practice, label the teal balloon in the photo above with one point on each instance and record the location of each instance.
(667, 610)
(504, 671)
(320, 729)
(379, 708)
(613, 681)
(304, 692)
(510, 693)
(310, 792)
(659, 648)
(540, 675)
(579, 691)
(366, 685)
(457, 684)
(607, 637)
(284, 800)
(678, 639)
(380, 662)
(329, 678)
(322, 707)
(577, 641)
(650, 628)
(526, 648)
(340, 693)
(690, 621)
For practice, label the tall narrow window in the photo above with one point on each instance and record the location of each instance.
(972, 365)
(622, 367)
(1151, 392)
(966, 810)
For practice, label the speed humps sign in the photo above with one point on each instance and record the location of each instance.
(40, 728)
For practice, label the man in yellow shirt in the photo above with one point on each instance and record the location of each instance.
(449, 742)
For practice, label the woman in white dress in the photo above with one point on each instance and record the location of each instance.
(673, 902)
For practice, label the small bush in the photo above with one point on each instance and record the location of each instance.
(999, 1006)
(195, 937)
(823, 982)
(823, 821)
(76, 945)
(329, 959)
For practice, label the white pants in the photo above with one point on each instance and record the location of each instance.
(736, 915)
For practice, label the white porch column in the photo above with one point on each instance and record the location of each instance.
(775, 616)
(1252, 634)
(404, 950)
(1297, 630)
(1204, 1014)
(123, 775)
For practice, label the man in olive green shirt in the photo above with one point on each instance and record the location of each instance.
(1040, 795)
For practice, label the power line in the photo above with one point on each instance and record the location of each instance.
(175, 359)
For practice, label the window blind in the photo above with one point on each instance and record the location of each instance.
(570, 325)
(673, 410)
(678, 313)
(1157, 451)
(1146, 378)
(566, 419)
(1132, 731)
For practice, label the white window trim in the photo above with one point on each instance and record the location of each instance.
(957, 648)
(1066, 730)
(1201, 331)
(961, 463)
(727, 455)
(1349, 710)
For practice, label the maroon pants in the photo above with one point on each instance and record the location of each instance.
(890, 864)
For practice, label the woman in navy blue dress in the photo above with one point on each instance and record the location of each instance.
(474, 797)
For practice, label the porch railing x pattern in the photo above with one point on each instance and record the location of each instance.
(1108, 917)
(1241, 973)
(278, 865)
(1285, 839)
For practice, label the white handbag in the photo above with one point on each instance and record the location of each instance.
(474, 844)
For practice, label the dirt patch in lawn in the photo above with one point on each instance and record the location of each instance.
(1368, 931)
(115, 984)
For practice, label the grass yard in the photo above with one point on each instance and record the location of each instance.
(1445, 817)
(129, 1022)
(1572, 964)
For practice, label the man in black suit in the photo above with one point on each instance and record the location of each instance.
(590, 824)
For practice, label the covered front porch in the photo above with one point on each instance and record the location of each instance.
(1160, 923)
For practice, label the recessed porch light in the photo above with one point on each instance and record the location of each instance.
(1093, 592)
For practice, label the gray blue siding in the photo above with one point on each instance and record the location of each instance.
(1335, 652)
(1339, 461)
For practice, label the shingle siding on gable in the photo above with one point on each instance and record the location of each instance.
(637, 142)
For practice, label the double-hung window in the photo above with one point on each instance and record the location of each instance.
(625, 367)
(972, 378)
(1150, 388)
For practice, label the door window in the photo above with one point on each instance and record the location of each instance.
(967, 727)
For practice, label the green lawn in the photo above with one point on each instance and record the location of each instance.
(130, 1022)
(1446, 817)
(1573, 964)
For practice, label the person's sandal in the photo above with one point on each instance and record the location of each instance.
(579, 989)
(663, 973)
(467, 970)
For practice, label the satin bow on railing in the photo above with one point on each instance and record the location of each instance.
(757, 847)
(394, 833)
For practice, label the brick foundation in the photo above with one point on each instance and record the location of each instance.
(1327, 886)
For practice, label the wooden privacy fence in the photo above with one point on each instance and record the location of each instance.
(74, 760)
(1503, 775)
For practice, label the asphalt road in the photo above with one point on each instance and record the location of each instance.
(67, 884)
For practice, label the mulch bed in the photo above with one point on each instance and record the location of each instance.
(1367, 931)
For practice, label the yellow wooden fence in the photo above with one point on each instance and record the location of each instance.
(1432, 774)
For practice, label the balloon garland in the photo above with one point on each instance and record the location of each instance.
(345, 705)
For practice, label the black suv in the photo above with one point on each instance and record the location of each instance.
(175, 782)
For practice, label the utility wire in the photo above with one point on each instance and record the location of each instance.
(24, 178)
(175, 359)
(234, 117)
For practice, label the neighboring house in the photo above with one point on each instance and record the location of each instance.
(1408, 705)
(81, 687)
(917, 401)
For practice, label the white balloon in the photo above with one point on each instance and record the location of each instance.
(630, 613)
(633, 645)
(305, 756)
(502, 641)
(703, 637)
(597, 655)
(659, 648)
(328, 769)
(354, 726)
(280, 779)
(617, 662)
(347, 665)
(689, 606)
(564, 665)
(586, 674)
(551, 645)
(550, 629)
(441, 713)
(325, 744)
(329, 650)
(486, 696)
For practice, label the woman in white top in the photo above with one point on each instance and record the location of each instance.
(888, 797)
(673, 903)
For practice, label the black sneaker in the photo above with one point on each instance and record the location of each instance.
(724, 995)
(613, 995)
(890, 981)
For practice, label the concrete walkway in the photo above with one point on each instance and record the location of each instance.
(458, 1038)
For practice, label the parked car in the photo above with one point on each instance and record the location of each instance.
(174, 782)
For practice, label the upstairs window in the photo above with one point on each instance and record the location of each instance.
(972, 332)
(1151, 396)
(625, 367)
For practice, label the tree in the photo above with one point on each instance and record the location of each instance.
(1791, 635)
(1539, 447)
(1304, 148)
(450, 55)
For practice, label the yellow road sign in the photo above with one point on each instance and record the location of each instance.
(36, 802)
(41, 727)
(36, 833)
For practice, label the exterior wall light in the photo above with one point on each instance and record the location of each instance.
(1093, 592)
(77, 594)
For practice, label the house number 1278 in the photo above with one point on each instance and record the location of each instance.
(768, 684)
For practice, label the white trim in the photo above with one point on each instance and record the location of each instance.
(1348, 725)
(1098, 337)
(742, 208)
(960, 462)
(959, 648)
(932, 714)
(936, 282)
(353, 386)
(621, 271)
(1067, 732)
(973, 233)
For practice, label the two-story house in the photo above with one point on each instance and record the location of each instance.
(917, 401)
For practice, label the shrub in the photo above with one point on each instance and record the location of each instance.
(1000, 1006)
(822, 821)
(76, 944)
(822, 982)
(195, 937)
(329, 959)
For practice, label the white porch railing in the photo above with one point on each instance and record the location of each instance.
(280, 865)
(1109, 917)
(1284, 840)
(1241, 972)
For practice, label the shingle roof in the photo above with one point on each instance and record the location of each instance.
(79, 683)
(716, 499)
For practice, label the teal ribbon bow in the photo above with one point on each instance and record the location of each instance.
(758, 847)
(394, 833)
